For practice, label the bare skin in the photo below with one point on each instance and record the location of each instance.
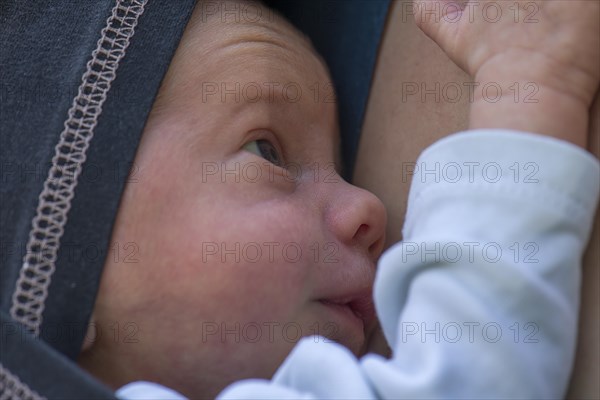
(400, 123)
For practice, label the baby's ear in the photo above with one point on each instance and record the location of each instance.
(91, 335)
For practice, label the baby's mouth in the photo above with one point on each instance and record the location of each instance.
(358, 307)
(346, 293)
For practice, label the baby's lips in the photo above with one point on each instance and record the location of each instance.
(360, 304)
(364, 308)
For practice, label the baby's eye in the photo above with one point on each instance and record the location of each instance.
(264, 148)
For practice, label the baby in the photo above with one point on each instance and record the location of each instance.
(249, 239)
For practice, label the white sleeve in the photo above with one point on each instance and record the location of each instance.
(481, 298)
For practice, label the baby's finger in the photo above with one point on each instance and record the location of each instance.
(439, 19)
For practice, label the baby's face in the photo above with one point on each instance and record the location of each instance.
(247, 235)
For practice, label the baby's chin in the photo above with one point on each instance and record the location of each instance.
(356, 344)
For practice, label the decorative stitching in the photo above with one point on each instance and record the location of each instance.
(70, 154)
(11, 387)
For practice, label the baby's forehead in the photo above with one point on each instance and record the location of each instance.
(222, 44)
(232, 17)
(226, 69)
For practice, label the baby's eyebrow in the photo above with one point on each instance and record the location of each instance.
(256, 38)
(252, 35)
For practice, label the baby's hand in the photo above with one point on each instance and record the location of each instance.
(551, 42)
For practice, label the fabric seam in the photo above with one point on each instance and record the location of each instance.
(54, 201)
(11, 387)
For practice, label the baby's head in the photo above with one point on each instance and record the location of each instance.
(245, 235)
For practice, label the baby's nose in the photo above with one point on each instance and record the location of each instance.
(357, 217)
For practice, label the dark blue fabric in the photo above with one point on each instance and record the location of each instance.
(43, 369)
(44, 49)
(347, 34)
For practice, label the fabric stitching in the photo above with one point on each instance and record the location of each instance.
(70, 153)
(11, 387)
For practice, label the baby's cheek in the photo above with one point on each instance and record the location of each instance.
(264, 291)
(233, 280)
